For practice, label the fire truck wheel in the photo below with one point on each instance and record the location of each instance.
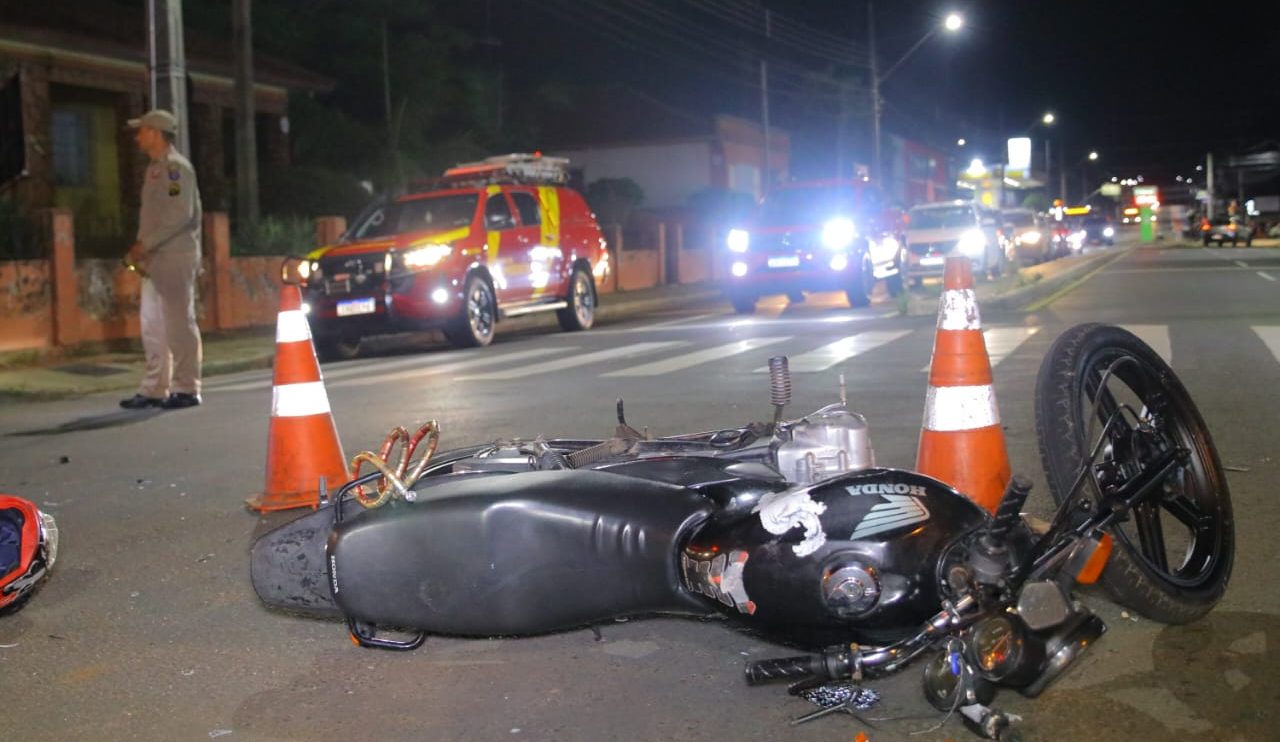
(473, 328)
(580, 313)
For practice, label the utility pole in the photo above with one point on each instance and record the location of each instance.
(766, 177)
(1048, 173)
(875, 94)
(386, 81)
(167, 57)
(1208, 168)
(1062, 173)
(246, 131)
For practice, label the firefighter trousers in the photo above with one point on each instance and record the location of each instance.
(170, 335)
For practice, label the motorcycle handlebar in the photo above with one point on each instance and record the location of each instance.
(785, 668)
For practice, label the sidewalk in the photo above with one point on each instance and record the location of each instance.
(56, 373)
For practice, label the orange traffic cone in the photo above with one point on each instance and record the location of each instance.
(961, 441)
(302, 441)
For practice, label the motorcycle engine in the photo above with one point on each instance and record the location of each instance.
(828, 442)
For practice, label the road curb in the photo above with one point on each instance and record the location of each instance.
(1022, 298)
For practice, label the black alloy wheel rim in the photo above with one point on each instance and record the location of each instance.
(1186, 502)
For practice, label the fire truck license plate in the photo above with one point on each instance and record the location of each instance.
(356, 306)
(790, 261)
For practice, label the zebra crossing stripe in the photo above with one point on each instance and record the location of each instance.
(1270, 336)
(362, 368)
(678, 363)
(574, 361)
(1002, 342)
(827, 356)
(373, 379)
(1157, 336)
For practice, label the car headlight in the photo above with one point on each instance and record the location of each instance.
(426, 256)
(738, 240)
(1030, 237)
(1077, 237)
(1109, 232)
(972, 243)
(838, 234)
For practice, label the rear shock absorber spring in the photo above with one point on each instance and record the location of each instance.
(779, 386)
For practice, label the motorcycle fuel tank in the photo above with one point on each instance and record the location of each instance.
(855, 556)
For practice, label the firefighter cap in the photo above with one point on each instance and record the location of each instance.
(158, 119)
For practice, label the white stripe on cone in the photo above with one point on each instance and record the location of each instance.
(292, 327)
(299, 400)
(952, 408)
(958, 310)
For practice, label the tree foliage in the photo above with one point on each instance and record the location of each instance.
(443, 96)
(613, 199)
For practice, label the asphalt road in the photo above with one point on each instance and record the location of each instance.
(149, 628)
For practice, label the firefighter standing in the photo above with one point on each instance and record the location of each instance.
(168, 250)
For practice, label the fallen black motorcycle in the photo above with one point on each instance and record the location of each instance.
(790, 529)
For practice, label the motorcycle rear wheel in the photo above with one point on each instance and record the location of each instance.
(1174, 556)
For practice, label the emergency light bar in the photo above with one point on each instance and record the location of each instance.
(522, 168)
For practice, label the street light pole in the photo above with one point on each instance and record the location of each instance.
(953, 22)
(876, 103)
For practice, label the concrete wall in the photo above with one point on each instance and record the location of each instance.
(63, 301)
(667, 172)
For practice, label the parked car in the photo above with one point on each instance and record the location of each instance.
(493, 239)
(1025, 237)
(939, 230)
(815, 236)
(1223, 230)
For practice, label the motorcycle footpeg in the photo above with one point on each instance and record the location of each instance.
(990, 723)
(366, 635)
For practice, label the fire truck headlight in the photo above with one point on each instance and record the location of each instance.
(426, 256)
(738, 240)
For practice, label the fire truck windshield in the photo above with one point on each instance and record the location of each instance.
(790, 206)
(419, 215)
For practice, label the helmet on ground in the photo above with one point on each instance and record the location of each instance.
(28, 547)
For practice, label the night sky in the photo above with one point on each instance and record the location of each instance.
(1150, 86)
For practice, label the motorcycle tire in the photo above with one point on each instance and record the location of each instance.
(1140, 573)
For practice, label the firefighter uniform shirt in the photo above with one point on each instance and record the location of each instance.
(170, 217)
